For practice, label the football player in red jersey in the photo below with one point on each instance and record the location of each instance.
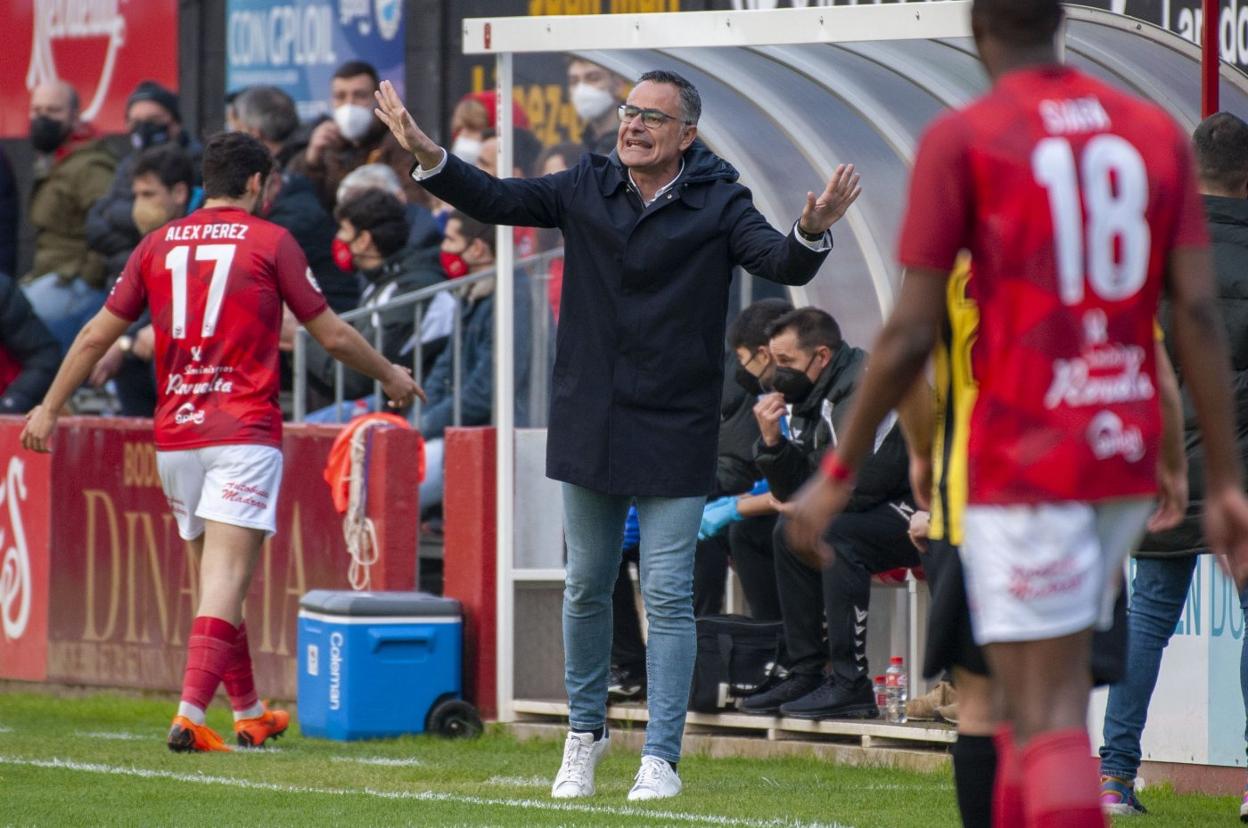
(1078, 205)
(215, 282)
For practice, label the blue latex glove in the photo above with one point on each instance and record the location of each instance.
(717, 515)
(761, 487)
(632, 529)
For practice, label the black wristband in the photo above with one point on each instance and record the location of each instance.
(807, 236)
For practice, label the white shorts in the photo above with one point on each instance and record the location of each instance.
(1048, 570)
(235, 484)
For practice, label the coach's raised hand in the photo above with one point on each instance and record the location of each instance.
(394, 114)
(824, 210)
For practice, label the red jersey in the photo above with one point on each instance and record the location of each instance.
(215, 282)
(1070, 196)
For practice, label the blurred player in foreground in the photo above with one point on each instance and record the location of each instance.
(215, 283)
(1078, 206)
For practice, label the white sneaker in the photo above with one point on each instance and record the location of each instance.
(655, 780)
(581, 755)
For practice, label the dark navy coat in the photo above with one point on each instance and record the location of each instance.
(635, 395)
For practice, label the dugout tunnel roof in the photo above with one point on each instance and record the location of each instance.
(785, 115)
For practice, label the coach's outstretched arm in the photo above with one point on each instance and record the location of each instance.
(92, 342)
(345, 344)
(527, 202)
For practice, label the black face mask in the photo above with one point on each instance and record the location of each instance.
(792, 383)
(748, 381)
(47, 134)
(149, 134)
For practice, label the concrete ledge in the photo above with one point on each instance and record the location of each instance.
(721, 746)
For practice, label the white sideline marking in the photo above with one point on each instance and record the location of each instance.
(4, 729)
(519, 781)
(421, 796)
(121, 735)
(384, 761)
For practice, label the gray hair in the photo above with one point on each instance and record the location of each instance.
(268, 111)
(690, 100)
(371, 177)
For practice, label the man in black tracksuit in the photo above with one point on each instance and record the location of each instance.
(815, 378)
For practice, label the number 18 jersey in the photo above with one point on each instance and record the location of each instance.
(1070, 197)
(215, 282)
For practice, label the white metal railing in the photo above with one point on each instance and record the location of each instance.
(541, 328)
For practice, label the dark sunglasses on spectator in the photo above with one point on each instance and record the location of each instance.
(650, 118)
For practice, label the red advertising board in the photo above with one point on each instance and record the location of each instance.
(25, 517)
(103, 48)
(121, 593)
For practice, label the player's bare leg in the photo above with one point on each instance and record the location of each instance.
(974, 756)
(1045, 774)
(217, 649)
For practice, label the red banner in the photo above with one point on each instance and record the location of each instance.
(103, 48)
(25, 517)
(117, 605)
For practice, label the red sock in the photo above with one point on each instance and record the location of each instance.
(1007, 794)
(240, 685)
(208, 653)
(1060, 780)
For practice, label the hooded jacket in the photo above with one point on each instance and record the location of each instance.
(1228, 227)
(402, 273)
(639, 356)
(813, 427)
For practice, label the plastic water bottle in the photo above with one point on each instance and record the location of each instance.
(881, 700)
(895, 687)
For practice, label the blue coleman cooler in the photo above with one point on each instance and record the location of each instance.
(380, 664)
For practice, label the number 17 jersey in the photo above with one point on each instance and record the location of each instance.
(1070, 196)
(215, 282)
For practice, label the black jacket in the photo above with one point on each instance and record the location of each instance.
(10, 216)
(110, 225)
(402, 273)
(813, 427)
(1228, 226)
(736, 471)
(298, 209)
(639, 353)
(25, 341)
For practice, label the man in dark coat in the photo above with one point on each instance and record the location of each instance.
(652, 234)
(29, 356)
(1166, 561)
(269, 114)
(10, 217)
(815, 378)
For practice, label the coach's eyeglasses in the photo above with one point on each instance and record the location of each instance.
(650, 118)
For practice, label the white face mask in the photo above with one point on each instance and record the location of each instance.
(466, 149)
(353, 121)
(591, 102)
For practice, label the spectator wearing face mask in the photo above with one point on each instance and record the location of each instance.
(425, 234)
(153, 119)
(352, 137)
(473, 117)
(595, 92)
(373, 226)
(269, 115)
(72, 170)
(163, 189)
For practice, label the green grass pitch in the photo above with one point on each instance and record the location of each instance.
(100, 759)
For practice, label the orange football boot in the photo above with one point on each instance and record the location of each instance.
(187, 737)
(270, 724)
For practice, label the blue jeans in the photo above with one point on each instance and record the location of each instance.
(1157, 598)
(329, 415)
(431, 487)
(593, 525)
(64, 307)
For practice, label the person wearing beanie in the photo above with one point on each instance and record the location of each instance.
(153, 119)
